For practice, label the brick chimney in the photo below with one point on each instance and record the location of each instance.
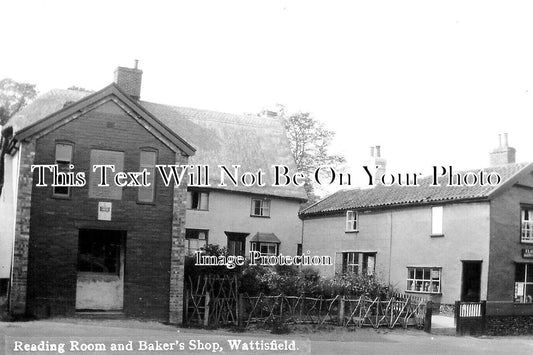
(129, 80)
(503, 154)
(377, 160)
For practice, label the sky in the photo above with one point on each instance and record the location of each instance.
(433, 83)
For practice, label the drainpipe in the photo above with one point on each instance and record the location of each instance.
(390, 247)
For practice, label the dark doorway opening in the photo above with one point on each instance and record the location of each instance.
(471, 288)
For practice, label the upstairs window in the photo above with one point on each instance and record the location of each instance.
(148, 161)
(527, 226)
(436, 220)
(105, 157)
(198, 200)
(351, 221)
(63, 159)
(260, 207)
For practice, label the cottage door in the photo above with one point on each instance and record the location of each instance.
(100, 274)
(471, 288)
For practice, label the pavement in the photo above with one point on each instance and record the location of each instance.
(443, 325)
(83, 336)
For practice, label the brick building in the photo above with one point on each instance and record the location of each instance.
(444, 242)
(93, 248)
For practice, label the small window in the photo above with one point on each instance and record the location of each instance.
(523, 286)
(423, 279)
(436, 220)
(355, 263)
(351, 221)
(526, 235)
(260, 207)
(148, 160)
(299, 249)
(63, 160)
(198, 200)
(265, 248)
(195, 240)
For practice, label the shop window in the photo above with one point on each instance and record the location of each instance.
(198, 200)
(99, 251)
(355, 263)
(195, 240)
(351, 221)
(260, 207)
(148, 160)
(527, 226)
(63, 159)
(423, 279)
(523, 286)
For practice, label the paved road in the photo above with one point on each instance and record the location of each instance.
(151, 337)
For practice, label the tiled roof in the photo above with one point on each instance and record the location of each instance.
(219, 138)
(389, 196)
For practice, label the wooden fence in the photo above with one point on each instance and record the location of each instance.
(470, 317)
(399, 310)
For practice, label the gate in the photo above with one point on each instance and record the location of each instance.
(212, 300)
(470, 317)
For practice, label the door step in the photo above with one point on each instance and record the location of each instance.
(100, 314)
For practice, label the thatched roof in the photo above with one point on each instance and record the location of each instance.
(219, 138)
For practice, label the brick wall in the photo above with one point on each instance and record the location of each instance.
(152, 229)
(22, 230)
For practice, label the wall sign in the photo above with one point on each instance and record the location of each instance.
(104, 211)
(527, 253)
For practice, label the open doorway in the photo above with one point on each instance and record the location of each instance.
(471, 288)
(100, 271)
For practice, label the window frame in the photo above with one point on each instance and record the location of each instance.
(414, 280)
(200, 193)
(525, 283)
(68, 195)
(358, 265)
(354, 222)
(261, 208)
(256, 246)
(437, 218)
(153, 174)
(527, 239)
(187, 239)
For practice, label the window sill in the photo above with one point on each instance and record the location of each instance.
(146, 203)
(197, 209)
(353, 231)
(257, 216)
(62, 197)
(423, 292)
(526, 241)
(436, 235)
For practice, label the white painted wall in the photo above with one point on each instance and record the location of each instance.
(230, 212)
(8, 206)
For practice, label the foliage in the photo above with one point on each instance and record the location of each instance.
(353, 285)
(310, 142)
(13, 97)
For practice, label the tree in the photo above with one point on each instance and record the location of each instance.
(13, 97)
(310, 141)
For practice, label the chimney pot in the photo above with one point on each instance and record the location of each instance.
(372, 152)
(503, 154)
(378, 151)
(136, 63)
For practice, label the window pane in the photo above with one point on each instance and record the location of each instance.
(148, 159)
(520, 273)
(64, 153)
(436, 220)
(195, 200)
(419, 273)
(204, 198)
